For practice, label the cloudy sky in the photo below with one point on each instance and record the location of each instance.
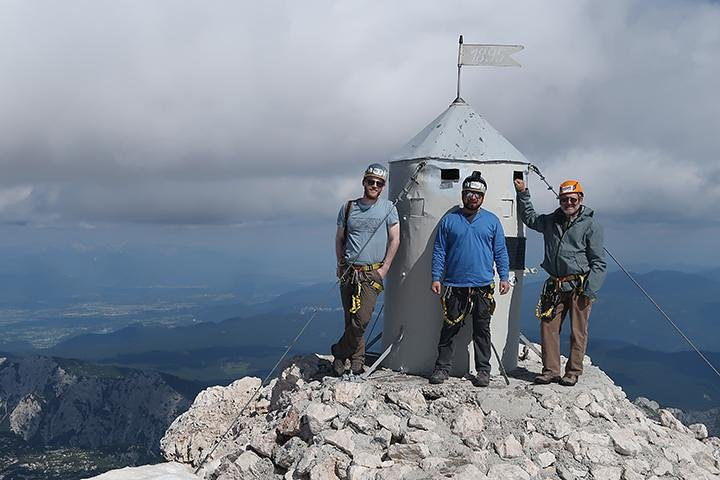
(189, 121)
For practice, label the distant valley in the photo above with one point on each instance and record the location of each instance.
(628, 338)
(196, 337)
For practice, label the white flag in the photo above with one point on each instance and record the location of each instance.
(490, 55)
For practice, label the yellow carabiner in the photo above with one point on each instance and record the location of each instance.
(356, 299)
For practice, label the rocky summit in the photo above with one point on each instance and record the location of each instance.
(306, 424)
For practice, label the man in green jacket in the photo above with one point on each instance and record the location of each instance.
(575, 261)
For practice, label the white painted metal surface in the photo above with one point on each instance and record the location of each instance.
(458, 142)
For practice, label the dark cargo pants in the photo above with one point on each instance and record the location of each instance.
(352, 345)
(481, 314)
(579, 307)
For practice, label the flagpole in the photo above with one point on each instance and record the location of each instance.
(460, 42)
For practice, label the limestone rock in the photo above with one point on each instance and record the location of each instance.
(507, 471)
(667, 419)
(699, 430)
(601, 472)
(346, 393)
(365, 459)
(362, 424)
(583, 400)
(411, 400)
(422, 423)
(630, 474)
(391, 423)
(324, 470)
(342, 439)
(571, 472)
(396, 427)
(317, 417)
(624, 442)
(556, 428)
(582, 416)
(290, 453)
(250, 466)
(469, 472)
(468, 421)
(412, 452)
(421, 436)
(264, 445)
(662, 467)
(545, 459)
(597, 410)
(508, 447)
(289, 425)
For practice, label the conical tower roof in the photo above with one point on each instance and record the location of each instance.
(460, 133)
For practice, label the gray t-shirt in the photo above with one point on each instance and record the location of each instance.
(362, 222)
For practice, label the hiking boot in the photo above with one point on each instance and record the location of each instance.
(482, 379)
(569, 380)
(338, 367)
(338, 364)
(438, 376)
(357, 368)
(546, 378)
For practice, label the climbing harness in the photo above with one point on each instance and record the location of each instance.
(469, 300)
(360, 277)
(550, 295)
(463, 311)
(411, 182)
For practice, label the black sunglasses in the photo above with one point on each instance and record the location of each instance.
(371, 182)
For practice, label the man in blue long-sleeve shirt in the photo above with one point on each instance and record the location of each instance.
(469, 241)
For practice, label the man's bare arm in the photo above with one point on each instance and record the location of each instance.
(339, 244)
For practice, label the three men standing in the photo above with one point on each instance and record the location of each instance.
(469, 247)
(366, 240)
(575, 261)
(468, 242)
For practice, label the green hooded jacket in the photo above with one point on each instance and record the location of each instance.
(576, 248)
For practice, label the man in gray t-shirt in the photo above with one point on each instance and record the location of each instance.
(366, 240)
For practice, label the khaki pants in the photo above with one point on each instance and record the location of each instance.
(579, 307)
(351, 345)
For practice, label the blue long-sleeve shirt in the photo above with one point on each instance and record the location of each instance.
(464, 252)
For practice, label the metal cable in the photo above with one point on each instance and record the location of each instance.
(536, 170)
(404, 191)
(664, 314)
(252, 397)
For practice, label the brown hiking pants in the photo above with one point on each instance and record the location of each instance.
(579, 307)
(351, 344)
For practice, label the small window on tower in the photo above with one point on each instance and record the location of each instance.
(450, 174)
(507, 207)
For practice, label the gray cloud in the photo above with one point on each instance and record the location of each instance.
(231, 112)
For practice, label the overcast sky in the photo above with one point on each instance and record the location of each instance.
(252, 115)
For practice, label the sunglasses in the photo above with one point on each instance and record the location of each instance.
(370, 182)
(570, 200)
(470, 193)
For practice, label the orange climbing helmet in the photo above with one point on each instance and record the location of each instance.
(571, 186)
